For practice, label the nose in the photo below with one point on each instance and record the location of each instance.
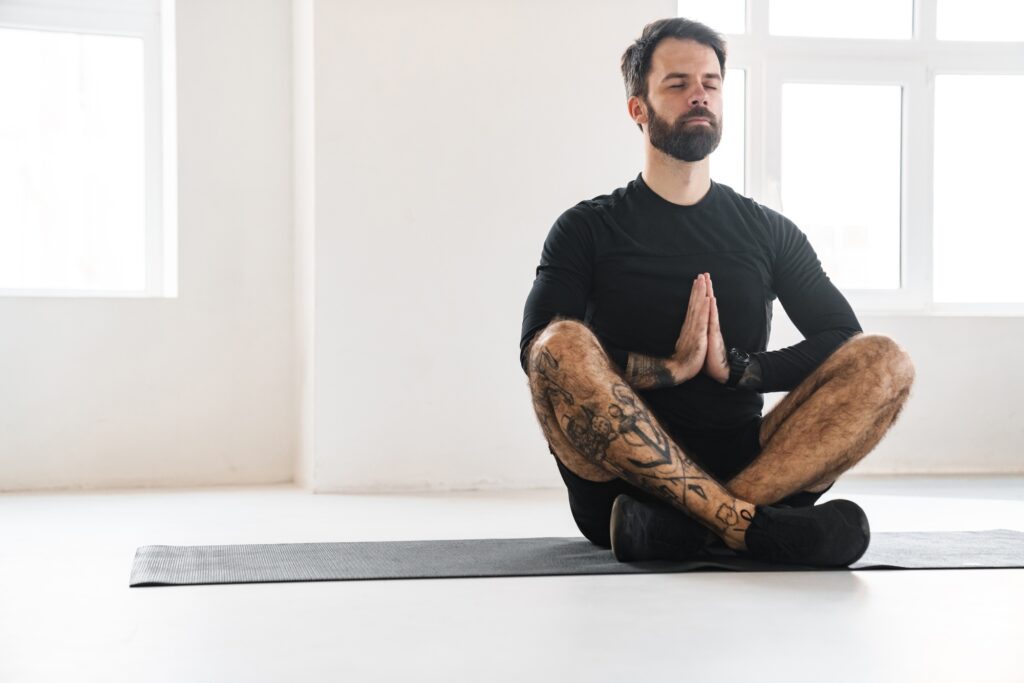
(699, 96)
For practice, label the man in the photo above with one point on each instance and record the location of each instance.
(644, 339)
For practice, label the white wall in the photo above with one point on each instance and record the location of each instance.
(304, 212)
(449, 135)
(196, 389)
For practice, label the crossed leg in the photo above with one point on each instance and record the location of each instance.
(600, 429)
(830, 421)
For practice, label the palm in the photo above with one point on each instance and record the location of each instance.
(716, 363)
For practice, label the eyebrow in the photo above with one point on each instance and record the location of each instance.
(677, 74)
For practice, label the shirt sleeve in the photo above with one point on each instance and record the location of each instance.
(818, 309)
(562, 285)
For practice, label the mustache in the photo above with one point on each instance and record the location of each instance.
(698, 114)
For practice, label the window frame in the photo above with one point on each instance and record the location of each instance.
(770, 61)
(137, 19)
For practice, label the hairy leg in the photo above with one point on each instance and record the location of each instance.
(828, 423)
(590, 416)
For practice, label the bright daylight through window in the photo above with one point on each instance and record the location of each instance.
(887, 131)
(72, 170)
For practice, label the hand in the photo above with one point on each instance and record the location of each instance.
(716, 364)
(692, 344)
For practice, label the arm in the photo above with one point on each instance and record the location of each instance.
(640, 371)
(817, 308)
(650, 372)
(563, 278)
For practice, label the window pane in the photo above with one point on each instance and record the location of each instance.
(862, 19)
(72, 180)
(727, 160)
(978, 225)
(724, 16)
(980, 20)
(841, 178)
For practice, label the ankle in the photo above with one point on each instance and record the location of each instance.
(735, 541)
(735, 533)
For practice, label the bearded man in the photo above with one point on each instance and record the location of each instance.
(648, 386)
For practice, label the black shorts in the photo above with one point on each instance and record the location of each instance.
(722, 456)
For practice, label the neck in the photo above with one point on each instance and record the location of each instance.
(680, 182)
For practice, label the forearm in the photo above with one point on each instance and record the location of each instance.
(784, 369)
(650, 372)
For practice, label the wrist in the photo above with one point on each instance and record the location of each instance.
(722, 375)
(678, 370)
(737, 363)
(650, 372)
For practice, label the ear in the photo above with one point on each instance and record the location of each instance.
(637, 110)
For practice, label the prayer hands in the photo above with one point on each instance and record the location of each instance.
(691, 346)
(700, 347)
(716, 363)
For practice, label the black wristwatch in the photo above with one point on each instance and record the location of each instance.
(738, 362)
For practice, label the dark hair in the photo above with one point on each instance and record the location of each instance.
(636, 60)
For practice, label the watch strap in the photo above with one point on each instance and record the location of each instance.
(738, 362)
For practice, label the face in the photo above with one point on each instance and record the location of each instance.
(685, 83)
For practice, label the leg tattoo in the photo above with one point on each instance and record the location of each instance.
(609, 425)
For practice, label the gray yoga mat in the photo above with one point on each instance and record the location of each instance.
(168, 565)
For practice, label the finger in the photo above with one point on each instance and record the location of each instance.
(697, 292)
(713, 321)
(692, 321)
(697, 316)
(711, 288)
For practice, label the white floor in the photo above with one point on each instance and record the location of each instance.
(67, 614)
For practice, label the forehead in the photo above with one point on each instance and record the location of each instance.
(683, 56)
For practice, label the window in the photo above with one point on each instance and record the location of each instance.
(81, 177)
(980, 20)
(880, 139)
(862, 19)
(841, 164)
(979, 229)
(727, 163)
(725, 16)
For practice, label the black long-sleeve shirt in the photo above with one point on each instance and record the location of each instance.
(624, 264)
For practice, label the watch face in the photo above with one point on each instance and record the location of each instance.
(739, 356)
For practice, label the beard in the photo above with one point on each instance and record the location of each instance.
(685, 141)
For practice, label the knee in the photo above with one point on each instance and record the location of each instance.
(560, 336)
(883, 361)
